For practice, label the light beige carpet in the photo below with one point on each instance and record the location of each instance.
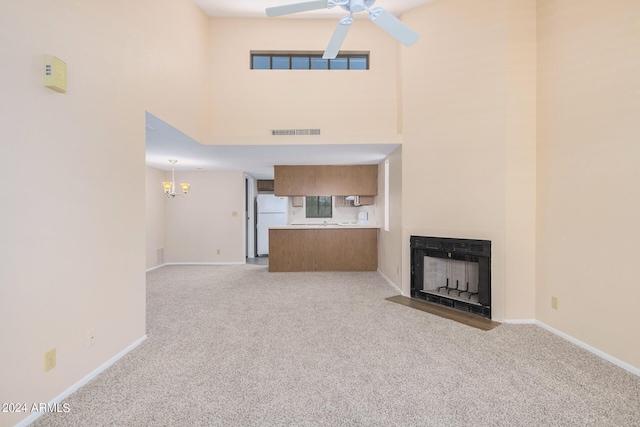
(238, 346)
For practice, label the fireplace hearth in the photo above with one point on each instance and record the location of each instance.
(452, 272)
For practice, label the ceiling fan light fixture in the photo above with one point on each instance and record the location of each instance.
(356, 6)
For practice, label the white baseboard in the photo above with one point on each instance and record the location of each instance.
(156, 267)
(34, 416)
(577, 342)
(195, 263)
(618, 362)
(206, 263)
(390, 282)
(520, 321)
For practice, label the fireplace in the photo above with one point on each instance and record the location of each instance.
(452, 272)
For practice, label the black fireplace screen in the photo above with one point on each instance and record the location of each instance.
(452, 272)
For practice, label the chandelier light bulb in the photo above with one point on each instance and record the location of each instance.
(167, 187)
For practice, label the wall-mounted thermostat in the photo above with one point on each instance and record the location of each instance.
(55, 74)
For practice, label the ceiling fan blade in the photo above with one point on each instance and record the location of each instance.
(393, 26)
(296, 7)
(338, 37)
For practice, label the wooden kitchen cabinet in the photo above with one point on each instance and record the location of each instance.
(365, 200)
(291, 250)
(349, 180)
(346, 250)
(342, 202)
(265, 185)
(363, 180)
(294, 181)
(330, 180)
(343, 249)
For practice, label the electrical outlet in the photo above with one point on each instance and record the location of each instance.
(398, 271)
(218, 251)
(91, 337)
(234, 213)
(50, 360)
(554, 303)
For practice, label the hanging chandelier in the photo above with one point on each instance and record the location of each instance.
(170, 187)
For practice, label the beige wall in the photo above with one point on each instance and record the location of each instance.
(155, 205)
(348, 106)
(390, 242)
(469, 107)
(72, 222)
(589, 172)
(520, 159)
(73, 229)
(203, 222)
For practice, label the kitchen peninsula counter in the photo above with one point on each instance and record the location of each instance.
(301, 247)
(321, 226)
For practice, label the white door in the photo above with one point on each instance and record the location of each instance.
(250, 223)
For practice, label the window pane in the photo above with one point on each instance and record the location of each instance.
(312, 203)
(300, 63)
(319, 64)
(261, 62)
(339, 64)
(358, 63)
(280, 62)
(318, 207)
(324, 206)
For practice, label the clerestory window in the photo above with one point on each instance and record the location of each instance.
(261, 60)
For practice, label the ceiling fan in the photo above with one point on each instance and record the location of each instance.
(378, 16)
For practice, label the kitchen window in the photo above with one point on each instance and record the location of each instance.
(318, 206)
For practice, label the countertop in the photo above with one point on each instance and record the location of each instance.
(322, 226)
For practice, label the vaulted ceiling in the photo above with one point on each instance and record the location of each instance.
(164, 142)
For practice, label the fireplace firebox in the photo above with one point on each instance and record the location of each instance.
(452, 272)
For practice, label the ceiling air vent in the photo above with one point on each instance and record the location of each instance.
(284, 132)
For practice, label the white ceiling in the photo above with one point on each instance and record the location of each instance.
(164, 142)
(255, 8)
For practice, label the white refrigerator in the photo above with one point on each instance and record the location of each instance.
(272, 210)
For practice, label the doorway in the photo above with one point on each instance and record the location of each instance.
(250, 218)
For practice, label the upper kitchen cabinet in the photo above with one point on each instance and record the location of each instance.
(351, 180)
(265, 185)
(294, 181)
